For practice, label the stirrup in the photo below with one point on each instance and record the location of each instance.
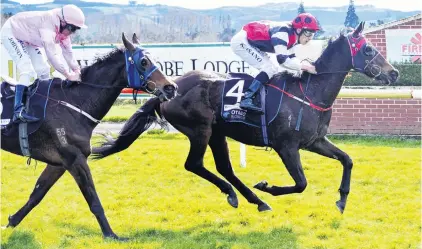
(22, 116)
(249, 105)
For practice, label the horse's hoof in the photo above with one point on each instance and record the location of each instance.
(115, 237)
(7, 226)
(261, 185)
(341, 206)
(264, 207)
(9, 219)
(232, 199)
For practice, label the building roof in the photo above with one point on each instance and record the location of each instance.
(391, 24)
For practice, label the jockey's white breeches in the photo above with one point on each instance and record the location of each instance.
(30, 60)
(253, 56)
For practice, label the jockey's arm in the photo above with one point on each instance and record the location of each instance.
(66, 46)
(280, 41)
(52, 52)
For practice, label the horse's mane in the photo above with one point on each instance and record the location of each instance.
(110, 58)
(327, 52)
(318, 63)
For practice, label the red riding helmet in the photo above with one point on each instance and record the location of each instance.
(305, 21)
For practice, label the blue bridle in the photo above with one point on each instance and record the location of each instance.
(137, 74)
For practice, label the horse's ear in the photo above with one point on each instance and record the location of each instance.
(135, 39)
(359, 29)
(128, 45)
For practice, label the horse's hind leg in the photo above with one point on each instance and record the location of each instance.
(220, 151)
(199, 137)
(291, 159)
(80, 171)
(47, 179)
(324, 147)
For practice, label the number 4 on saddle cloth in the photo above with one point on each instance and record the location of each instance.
(268, 98)
(35, 100)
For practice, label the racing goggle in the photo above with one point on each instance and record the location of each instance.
(308, 33)
(72, 28)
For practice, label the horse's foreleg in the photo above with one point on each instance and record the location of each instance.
(199, 138)
(324, 147)
(47, 179)
(220, 151)
(291, 160)
(80, 171)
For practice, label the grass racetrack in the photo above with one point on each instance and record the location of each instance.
(149, 197)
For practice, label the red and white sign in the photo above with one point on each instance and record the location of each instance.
(404, 45)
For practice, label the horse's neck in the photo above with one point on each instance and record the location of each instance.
(329, 86)
(98, 101)
(326, 86)
(101, 101)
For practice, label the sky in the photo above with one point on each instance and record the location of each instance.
(403, 5)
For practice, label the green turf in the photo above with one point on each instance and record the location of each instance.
(149, 197)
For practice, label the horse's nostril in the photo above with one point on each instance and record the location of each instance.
(169, 89)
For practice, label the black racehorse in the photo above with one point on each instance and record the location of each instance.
(196, 111)
(63, 139)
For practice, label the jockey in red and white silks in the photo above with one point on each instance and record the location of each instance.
(256, 39)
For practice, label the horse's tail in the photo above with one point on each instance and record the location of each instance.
(143, 118)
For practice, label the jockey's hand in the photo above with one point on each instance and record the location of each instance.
(78, 71)
(309, 68)
(74, 76)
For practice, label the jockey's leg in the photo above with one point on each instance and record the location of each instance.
(17, 50)
(247, 99)
(39, 61)
(19, 107)
(256, 59)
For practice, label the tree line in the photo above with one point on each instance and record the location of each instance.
(171, 27)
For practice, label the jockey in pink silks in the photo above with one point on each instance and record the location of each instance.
(26, 32)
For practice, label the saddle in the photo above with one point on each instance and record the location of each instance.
(35, 100)
(269, 98)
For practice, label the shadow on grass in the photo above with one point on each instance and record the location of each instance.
(198, 237)
(374, 140)
(213, 237)
(21, 240)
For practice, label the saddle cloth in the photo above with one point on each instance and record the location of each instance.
(36, 99)
(269, 97)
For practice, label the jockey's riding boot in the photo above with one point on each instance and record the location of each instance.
(20, 110)
(247, 99)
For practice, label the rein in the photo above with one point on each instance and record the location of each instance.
(355, 45)
(64, 103)
(111, 87)
(138, 78)
(308, 103)
(99, 86)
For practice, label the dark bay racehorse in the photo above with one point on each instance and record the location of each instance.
(196, 111)
(63, 139)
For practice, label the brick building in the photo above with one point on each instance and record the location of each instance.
(376, 116)
(379, 36)
(397, 41)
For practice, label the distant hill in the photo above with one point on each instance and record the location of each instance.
(161, 23)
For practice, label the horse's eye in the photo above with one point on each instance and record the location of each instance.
(144, 62)
(369, 51)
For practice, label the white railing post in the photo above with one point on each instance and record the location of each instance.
(242, 155)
